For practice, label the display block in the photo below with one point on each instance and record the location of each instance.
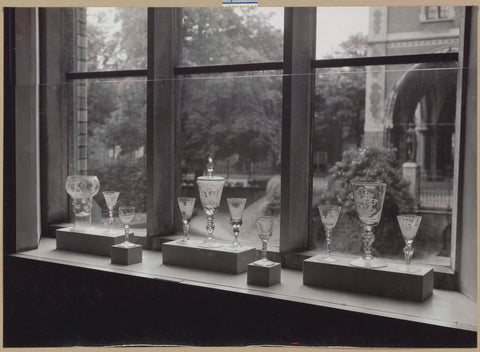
(386, 282)
(126, 255)
(219, 259)
(92, 240)
(263, 276)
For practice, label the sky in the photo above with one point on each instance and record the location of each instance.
(334, 24)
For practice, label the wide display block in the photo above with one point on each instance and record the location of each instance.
(386, 282)
(262, 275)
(126, 255)
(220, 259)
(92, 240)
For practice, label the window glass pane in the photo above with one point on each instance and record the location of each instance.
(115, 142)
(377, 31)
(212, 36)
(116, 38)
(401, 132)
(238, 118)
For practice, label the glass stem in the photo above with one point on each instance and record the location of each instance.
(210, 227)
(328, 240)
(236, 230)
(264, 249)
(110, 220)
(186, 227)
(368, 239)
(126, 232)
(408, 252)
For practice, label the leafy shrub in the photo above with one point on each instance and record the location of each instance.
(372, 164)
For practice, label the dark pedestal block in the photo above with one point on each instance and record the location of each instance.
(220, 259)
(92, 240)
(386, 282)
(263, 276)
(126, 255)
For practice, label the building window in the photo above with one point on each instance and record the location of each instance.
(437, 13)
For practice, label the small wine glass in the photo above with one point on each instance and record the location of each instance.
(409, 226)
(185, 204)
(111, 199)
(236, 207)
(329, 215)
(265, 228)
(126, 214)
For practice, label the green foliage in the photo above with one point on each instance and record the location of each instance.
(373, 164)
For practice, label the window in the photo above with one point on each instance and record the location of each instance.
(273, 104)
(437, 13)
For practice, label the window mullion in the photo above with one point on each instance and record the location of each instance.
(161, 117)
(298, 89)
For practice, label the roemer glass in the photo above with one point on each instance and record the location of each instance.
(82, 188)
(185, 204)
(236, 207)
(210, 188)
(368, 197)
(329, 215)
(265, 228)
(409, 227)
(126, 214)
(111, 199)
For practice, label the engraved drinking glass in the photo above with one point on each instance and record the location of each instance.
(185, 204)
(236, 207)
(126, 215)
(210, 188)
(111, 199)
(369, 197)
(81, 189)
(409, 226)
(329, 215)
(265, 229)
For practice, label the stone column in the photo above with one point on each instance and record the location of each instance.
(375, 79)
(411, 173)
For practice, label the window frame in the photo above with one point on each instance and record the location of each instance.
(297, 60)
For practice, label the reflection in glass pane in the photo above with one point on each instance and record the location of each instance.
(238, 118)
(212, 36)
(366, 130)
(344, 32)
(116, 38)
(115, 143)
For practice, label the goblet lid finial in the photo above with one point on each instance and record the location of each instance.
(210, 165)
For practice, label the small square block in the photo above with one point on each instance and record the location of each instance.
(263, 275)
(89, 240)
(221, 259)
(126, 255)
(386, 281)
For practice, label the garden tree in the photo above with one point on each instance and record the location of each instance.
(230, 113)
(340, 101)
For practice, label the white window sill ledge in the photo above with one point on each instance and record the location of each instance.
(443, 308)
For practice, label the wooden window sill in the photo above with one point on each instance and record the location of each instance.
(444, 308)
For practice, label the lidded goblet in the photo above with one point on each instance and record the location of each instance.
(368, 197)
(210, 188)
(81, 189)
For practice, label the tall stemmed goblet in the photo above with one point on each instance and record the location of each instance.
(265, 229)
(111, 199)
(409, 226)
(210, 188)
(236, 207)
(369, 198)
(82, 188)
(185, 204)
(126, 214)
(329, 215)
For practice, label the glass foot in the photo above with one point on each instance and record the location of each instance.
(328, 258)
(264, 262)
(183, 241)
(372, 263)
(127, 244)
(210, 243)
(407, 269)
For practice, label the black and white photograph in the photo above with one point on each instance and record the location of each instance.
(231, 174)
